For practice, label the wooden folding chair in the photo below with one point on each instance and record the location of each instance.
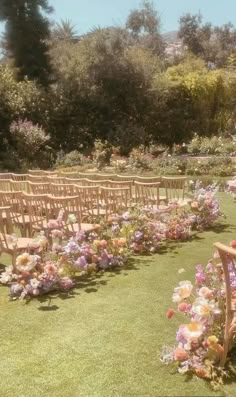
(118, 177)
(39, 188)
(228, 256)
(71, 174)
(175, 189)
(91, 207)
(5, 185)
(147, 179)
(37, 178)
(34, 213)
(9, 244)
(19, 177)
(147, 194)
(20, 186)
(63, 190)
(5, 175)
(56, 179)
(115, 199)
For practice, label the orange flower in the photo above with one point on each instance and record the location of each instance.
(200, 372)
(170, 313)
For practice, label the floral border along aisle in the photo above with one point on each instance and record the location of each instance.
(55, 261)
(200, 336)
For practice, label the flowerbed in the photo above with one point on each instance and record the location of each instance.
(55, 261)
(199, 339)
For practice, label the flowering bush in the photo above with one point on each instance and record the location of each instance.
(29, 138)
(205, 207)
(200, 337)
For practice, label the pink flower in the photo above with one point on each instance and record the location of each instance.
(205, 292)
(50, 269)
(180, 354)
(184, 307)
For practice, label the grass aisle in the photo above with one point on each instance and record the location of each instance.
(104, 341)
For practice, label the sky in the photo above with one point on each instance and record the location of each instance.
(87, 14)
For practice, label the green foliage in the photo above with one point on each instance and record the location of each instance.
(27, 30)
(215, 166)
(71, 159)
(211, 146)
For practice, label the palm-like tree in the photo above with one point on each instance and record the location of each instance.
(65, 30)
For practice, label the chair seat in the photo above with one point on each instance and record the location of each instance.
(86, 227)
(23, 243)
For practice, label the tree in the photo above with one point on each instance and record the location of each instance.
(27, 31)
(144, 25)
(189, 29)
(65, 30)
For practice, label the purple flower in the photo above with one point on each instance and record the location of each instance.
(71, 247)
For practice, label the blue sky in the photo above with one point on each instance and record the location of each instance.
(86, 14)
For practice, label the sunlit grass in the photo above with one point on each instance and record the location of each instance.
(105, 339)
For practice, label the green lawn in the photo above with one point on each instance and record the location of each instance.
(105, 339)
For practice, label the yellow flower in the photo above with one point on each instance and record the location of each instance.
(212, 340)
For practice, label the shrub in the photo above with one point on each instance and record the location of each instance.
(71, 159)
(211, 146)
(102, 153)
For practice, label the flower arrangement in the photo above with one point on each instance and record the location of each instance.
(54, 258)
(199, 339)
(205, 207)
(33, 276)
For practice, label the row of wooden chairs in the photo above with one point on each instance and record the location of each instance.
(174, 188)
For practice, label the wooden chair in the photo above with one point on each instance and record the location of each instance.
(34, 213)
(5, 185)
(130, 178)
(115, 199)
(109, 177)
(37, 178)
(175, 189)
(228, 256)
(39, 188)
(147, 179)
(42, 172)
(19, 177)
(89, 175)
(72, 175)
(63, 190)
(56, 179)
(147, 194)
(8, 244)
(22, 186)
(5, 175)
(91, 206)
(12, 199)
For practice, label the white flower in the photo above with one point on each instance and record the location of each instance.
(183, 291)
(192, 330)
(34, 283)
(182, 270)
(26, 262)
(71, 219)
